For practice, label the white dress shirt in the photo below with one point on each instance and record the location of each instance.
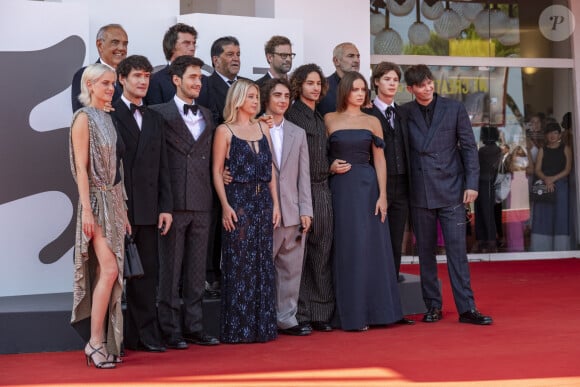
(277, 135)
(195, 123)
(136, 114)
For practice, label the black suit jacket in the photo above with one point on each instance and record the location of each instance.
(145, 165)
(400, 124)
(76, 89)
(189, 160)
(217, 92)
(161, 89)
(263, 80)
(328, 103)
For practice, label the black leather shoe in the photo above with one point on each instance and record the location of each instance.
(433, 315)
(474, 317)
(405, 321)
(177, 344)
(201, 338)
(296, 330)
(321, 326)
(306, 326)
(150, 347)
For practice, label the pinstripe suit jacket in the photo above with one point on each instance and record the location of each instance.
(443, 157)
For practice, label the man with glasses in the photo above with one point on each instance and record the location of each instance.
(180, 39)
(279, 55)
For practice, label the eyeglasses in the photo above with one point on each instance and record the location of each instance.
(284, 55)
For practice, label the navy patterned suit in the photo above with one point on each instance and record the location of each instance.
(184, 248)
(443, 164)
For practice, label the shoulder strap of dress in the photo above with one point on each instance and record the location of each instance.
(261, 131)
(230, 129)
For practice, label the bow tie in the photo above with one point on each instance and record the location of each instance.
(134, 107)
(192, 108)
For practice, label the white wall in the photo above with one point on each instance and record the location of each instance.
(328, 23)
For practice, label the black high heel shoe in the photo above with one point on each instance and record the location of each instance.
(105, 364)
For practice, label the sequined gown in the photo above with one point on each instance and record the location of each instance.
(248, 311)
(365, 283)
(108, 207)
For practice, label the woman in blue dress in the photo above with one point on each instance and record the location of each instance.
(364, 272)
(250, 212)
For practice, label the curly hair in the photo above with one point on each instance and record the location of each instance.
(299, 77)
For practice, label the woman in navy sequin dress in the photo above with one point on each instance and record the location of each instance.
(250, 211)
(365, 282)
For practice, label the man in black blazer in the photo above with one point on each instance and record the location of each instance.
(180, 39)
(345, 57)
(112, 45)
(279, 55)
(385, 80)
(149, 197)
(189, 133)
(444, 171)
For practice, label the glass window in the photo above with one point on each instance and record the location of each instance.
(538, 29)
(530, 107)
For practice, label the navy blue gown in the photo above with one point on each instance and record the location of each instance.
(364, 272)
(248, 310)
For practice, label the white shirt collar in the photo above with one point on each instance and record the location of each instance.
(381, 105)
(226, 79)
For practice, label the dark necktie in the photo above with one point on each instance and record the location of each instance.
(134, 107)
(192, 108)
(390, 114)
(230, 82)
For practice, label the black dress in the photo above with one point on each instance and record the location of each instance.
(248, 311)
(364, 273)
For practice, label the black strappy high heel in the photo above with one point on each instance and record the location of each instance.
(102, 364)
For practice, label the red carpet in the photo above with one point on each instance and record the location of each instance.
(535, 341)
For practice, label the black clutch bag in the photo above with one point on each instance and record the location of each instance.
(133, 267)
(540, 192)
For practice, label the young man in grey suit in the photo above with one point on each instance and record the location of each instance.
(444, 169)
(292, 166)
(189, 133)
(149, 199)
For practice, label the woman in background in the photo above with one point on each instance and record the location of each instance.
(95, 154)
(550, 223)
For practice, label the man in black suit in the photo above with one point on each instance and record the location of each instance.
(180, 39)
(345, 57)
(112, 45)
(225, 58)
(149, 197)
(385, 79)
(279, 55)
(444, 170)
(189, 133)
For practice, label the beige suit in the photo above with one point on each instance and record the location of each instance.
(293, 176)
